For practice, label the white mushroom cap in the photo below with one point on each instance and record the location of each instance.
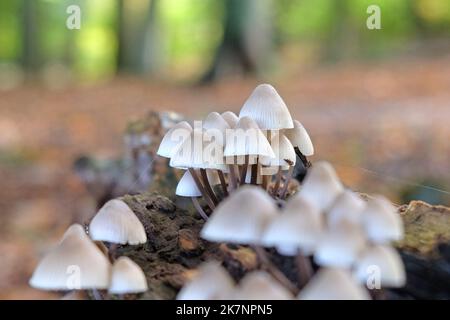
(248, 139)
(212, 282)
(241, 218)
(389, 264)
(186, 187)
(173, 139)
(299, 138)
(127, 277)
(115, 222)
(381, 221)
(75, 263)
(347, 208)
(321, 185)
(267, 108)
(195, 153)
(214, 121)
(333, 284)
(283, 150)
(340, 247)
(259, 285)
(231, 118)
(299, 227)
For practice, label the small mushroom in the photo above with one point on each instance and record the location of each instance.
(76, 263)
(187, 187)
(127, 277)
(321, 185)
(241, 218)
(333, 284)
(115, 222)
(214, 121)
(381, 221)
(347, 208)
(340, 246)
(212, 282)
(173, 139)
(300, 139)
(389, 264)
(259, 285)
(298, 228)
(231, 118)
(267, 108)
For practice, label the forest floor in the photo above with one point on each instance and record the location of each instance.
(385, 127)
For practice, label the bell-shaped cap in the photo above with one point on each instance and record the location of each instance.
(259, 285)
(212, 282)
(381, 221)
(333, 284)
(321, 185)
(247, 139)
(299, 138)
(283, 150)
(115, 222)
(298, 228)
(231, 118)
(347, 208)
(200, 151)
(214, 121)
(76, 263)
(173, 139)
(340, 246)
(241, 218)
(267, 108)
(383, 261)
(187, 187)
(127, 277)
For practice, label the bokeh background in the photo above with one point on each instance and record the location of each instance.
(375, 102)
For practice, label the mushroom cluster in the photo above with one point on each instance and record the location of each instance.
(79, 262)
(326, 227)
(224, 152)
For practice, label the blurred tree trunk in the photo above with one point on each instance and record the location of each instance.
(137, 39)
(247, 39)
(30, 53)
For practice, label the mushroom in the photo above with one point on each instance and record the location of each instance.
(297, 229)
(214, 121)
(76, 263)
(259, 285)
(248, 141)
(321, 185)
(116, 223)
(381, 221)
(267, 108)
(389, 264)
(188, 188)
(340, 246)
(284, 156)
(211, 282)
(347, 208)
(173, 139)
(303, 147)
(333, 284)
(241, 218)
(127, 277)
(231, 118)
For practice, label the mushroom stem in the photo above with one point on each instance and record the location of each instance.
(277, 182)
(305, 270)
(112, 251)
(202, 190)
(244, 169)
(286, 183)
(377, 294)
(96, 294)
(208, 186)
(306, 163)
(223, 182)
(254, 178)
(199, 208)
(273, 270)
(232, 176)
